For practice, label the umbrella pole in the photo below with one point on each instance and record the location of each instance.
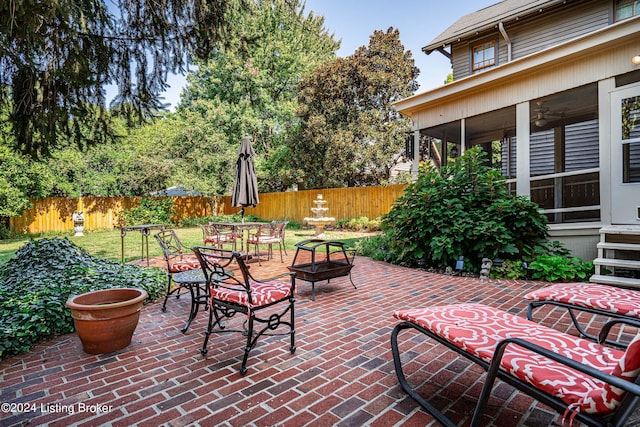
(242, 213)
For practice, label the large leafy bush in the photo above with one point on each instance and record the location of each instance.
(150, 211)
(463, 210)
(36, 283)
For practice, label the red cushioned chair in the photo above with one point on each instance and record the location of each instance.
(178, 259)
(268, 235)
(230, 294)
(590, 382)
(218, 236)
(603, 300)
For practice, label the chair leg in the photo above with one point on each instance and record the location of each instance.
(257, 254)
(247, 348)
(169, 293)
(292, 348)
(212, 312)
(397, 363)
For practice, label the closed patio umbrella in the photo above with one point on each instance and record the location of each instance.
(245, 189)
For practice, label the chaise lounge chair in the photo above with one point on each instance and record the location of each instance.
(604, 300)
(583, 380)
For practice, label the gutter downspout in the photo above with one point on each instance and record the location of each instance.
(506, 38)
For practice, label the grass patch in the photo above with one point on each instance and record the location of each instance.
(108, 243)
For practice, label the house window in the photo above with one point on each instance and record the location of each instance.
(626, 9)
(631, 139)
(484, 55)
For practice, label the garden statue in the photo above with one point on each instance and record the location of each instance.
(78, 223)
(485, 268)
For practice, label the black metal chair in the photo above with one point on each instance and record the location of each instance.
(267, 234)
(229, 295)
(218, 236)
(178, 259)
(283, 230)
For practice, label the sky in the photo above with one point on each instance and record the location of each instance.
(354, 21)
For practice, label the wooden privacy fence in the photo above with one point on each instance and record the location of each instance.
(54, 213)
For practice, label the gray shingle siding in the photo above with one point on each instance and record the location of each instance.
(536, 33)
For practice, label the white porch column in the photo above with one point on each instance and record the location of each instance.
(416, 154)
(522, 150)
(463, 141)
(605, 87)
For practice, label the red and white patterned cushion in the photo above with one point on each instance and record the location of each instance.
(262, 293)
(184, 263)
(477, 329)
(222, 238)
(625, 302)
(609, 397)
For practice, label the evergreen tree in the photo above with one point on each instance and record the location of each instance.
(56, 58)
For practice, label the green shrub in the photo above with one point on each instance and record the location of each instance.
(374, 247)
(36, 283)
(510, 269)
(5, 233)
(359, 224)
(558, 268)
(462, 210)
(150, 211)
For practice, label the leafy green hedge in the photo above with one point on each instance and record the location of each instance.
(463, 210)
(150, 211)
(36, 283)
(359, 224)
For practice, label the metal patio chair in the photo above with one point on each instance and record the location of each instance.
(230, 294)
(178, 258)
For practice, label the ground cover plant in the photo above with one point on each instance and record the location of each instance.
(36, 283)
(463, 210)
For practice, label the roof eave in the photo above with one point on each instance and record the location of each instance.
(443, 44)
(603, 39)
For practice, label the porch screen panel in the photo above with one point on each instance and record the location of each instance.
(581, 146)
(561, 189)
(541, 153)
(508, 157)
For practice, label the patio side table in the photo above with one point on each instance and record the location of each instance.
(195, 281)
(145, 231)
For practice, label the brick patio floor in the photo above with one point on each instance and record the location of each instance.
(341, 374)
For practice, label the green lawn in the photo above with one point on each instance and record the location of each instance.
(107, 244)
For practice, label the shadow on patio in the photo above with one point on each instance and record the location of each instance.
(341, 374)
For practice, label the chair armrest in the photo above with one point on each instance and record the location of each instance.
(290, 274)
(606, 328)
(627, 386)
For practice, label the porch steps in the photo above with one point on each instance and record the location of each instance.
(618, 253)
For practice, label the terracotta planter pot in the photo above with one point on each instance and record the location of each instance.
(105, 319)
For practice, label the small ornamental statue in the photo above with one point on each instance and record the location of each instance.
(485, 269)
(78, 223)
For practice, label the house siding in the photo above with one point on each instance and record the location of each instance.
(534, 35)
(560, 73)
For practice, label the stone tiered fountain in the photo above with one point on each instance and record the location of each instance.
(319, 221)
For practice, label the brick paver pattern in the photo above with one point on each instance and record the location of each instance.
(341, 374)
